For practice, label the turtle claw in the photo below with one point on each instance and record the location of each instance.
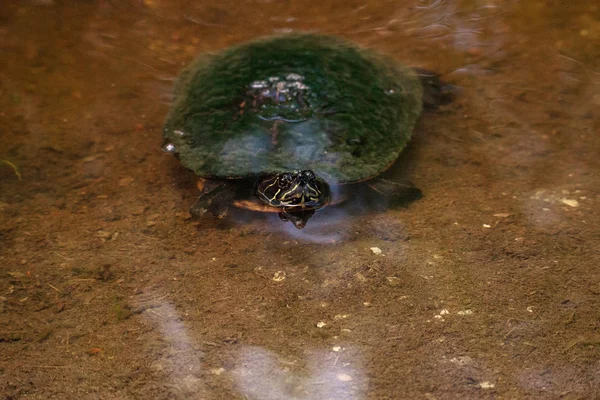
(198, 209)
(219, 210)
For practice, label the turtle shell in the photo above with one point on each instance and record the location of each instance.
(293, 102)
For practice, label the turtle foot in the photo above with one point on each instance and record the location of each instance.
(215, 198)
(393, 193)
(435, 92)
(202, 206)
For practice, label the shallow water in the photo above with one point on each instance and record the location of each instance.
(487, 287)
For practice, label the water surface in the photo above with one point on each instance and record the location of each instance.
(487, 287)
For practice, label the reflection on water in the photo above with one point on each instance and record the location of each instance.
(485, 287)
(260, 374)
(257, 372)
(180, 361)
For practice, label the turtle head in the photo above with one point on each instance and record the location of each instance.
(298, 194)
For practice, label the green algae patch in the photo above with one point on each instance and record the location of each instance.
(293, 102)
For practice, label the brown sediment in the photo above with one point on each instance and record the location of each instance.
(485, 288)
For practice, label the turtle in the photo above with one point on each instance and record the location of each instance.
(285, 123)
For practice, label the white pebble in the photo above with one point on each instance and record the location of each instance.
(394, 280)
(343, 377)
(279, 276)
(321, 324)
(376, 250)
(462, 360)
(486, 385)
(570, 202)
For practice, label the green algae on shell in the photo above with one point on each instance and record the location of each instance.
(293, 102)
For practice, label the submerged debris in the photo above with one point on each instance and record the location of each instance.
(13, 167)
(570, 202)
(343, 377)
(279, 276)
(393, 281)
(376, 250)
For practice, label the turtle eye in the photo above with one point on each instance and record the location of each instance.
(284, 180)
(309, 175)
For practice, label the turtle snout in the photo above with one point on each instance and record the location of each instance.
(307, 176)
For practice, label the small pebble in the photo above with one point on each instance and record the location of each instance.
(343, 377)
(570, 202)
(487, 385)
(126, 181)
(103, 234)
(376, 250)
(321, 324)
(462, 361)
(279, 276)
(394, 281)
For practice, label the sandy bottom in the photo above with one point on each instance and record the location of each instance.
(487, 287)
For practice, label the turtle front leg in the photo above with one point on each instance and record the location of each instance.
(215, 197)
(394, 193)
(435, 92)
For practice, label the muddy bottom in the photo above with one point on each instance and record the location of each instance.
(486, 287)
